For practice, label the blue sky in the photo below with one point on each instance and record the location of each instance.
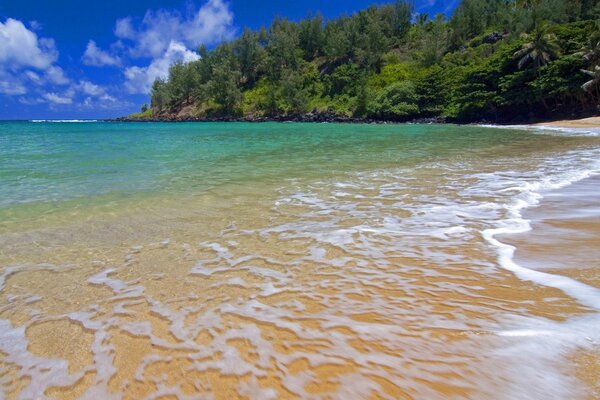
(72, 59)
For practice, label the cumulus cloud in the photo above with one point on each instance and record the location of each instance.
(124, 28)
(168, 36)
(90, 89)
(55, 98)
(140, 79)
(26, 58)
(20, 47)
(10, 87)
(82, 94)
(55, 74)
(153, 35)
(94, 56)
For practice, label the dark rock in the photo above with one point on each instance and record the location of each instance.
(492, 38)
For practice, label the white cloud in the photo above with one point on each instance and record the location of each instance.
(105, 102)
(94, 56)
(35, 25)
(56, 75)
(34, 77)
(140, 79)
(30, 101)
(124, 28)
(57, 99)
(90, 88)
(167, 36)
(11, 88)
(212, 23)
(25, 59)
(20, 47)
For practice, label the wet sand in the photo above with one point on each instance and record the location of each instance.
(565, 235)
(248, 317)
(593, 122)
(371, 284)
(565, 240)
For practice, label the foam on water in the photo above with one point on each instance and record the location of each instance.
(63, 120)
(527, 194)
(558, 130)
(382, 281)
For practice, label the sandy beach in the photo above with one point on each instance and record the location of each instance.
(565, 228)
(592, 122)
(222, 271)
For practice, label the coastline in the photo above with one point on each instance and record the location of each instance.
(565, 226)
(255, 269)
(591, 122)
(317, 117)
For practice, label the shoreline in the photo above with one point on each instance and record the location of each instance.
(591, 122)
(585, 122)
(564, 227)
(386, 262)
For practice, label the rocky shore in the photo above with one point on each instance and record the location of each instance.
(308, 117)
(329, 116)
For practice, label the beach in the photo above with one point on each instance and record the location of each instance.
(592, 122)
(298, 261)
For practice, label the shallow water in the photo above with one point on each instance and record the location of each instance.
(287, 261)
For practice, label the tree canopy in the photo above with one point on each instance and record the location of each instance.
(492, 59)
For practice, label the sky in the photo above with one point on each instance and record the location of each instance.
(68, 59)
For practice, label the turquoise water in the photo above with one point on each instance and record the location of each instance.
(287, 261)
(52, 162)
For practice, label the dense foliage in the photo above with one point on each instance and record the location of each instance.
(493, 59)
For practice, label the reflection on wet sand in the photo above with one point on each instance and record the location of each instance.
(376, 283)
(351, 293)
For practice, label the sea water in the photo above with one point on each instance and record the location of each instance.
(238, 260)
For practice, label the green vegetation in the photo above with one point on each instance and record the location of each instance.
(496, 60)
(146, 113)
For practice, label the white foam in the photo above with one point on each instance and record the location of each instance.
(528, 194)
(63, 120)
(385, 230)
(591, 131)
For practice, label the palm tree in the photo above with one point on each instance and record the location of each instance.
(540, 48)
(591, 52)
(593, 83)
(527, 4)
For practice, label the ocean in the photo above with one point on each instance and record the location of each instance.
(287, 260)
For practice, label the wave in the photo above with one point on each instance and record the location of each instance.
(530, 195)
(548, 129)
(63, 120)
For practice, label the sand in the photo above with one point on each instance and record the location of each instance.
(593, 122)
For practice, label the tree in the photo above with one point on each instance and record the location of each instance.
(144, 107)
(362, 98)
(539, 49)
(379, 63)
(250, 55)
(397, 101)
(434, 41)
(159, 95)
(182, 82)
(225, 90)
(592, 84)
(401, 17)
(591, 52)
(311, 37)
(283, 47)
(294, 93)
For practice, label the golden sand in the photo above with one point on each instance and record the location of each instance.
(200, 305)
(593, 122)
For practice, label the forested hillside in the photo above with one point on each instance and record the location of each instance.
(496, 60)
